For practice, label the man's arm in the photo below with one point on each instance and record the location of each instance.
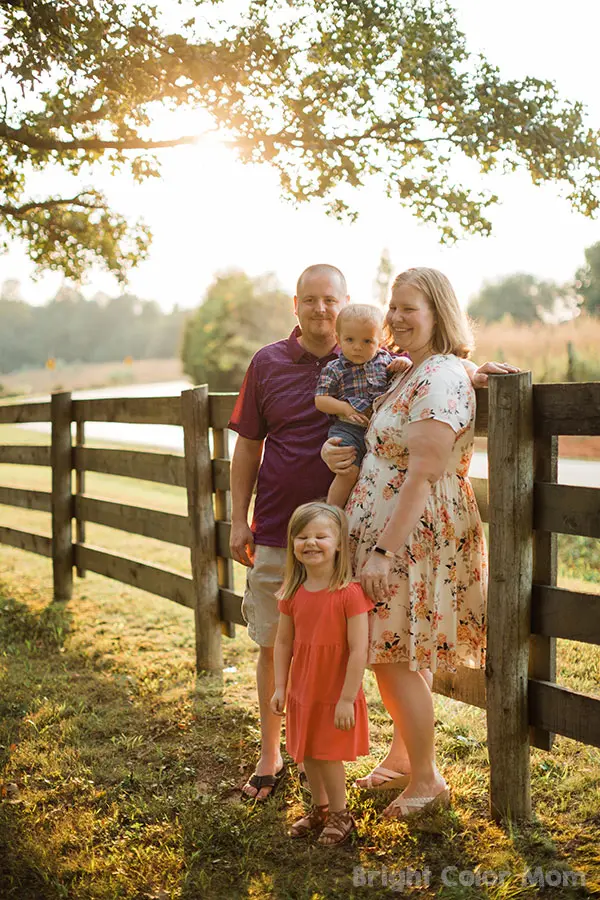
(479, 376)
(244, 469)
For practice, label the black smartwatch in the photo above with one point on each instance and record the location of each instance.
(383, 552)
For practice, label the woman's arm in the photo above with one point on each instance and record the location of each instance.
(479, 375)
(358, 642)
(429, 445)
(282, 656)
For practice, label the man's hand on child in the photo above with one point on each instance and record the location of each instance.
(344, 715)
(337, 458)
(278, 702)
(400, 364)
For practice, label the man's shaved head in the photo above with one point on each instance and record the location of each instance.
(320, 270)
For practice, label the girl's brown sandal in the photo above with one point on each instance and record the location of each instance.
(315, 820)
(338, 827)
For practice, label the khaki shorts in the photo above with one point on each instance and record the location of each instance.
(259, 606)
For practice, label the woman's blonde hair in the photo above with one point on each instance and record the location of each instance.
(295, 573)
(452, 332)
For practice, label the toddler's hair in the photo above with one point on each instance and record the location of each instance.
(359, 312)
(295, 573)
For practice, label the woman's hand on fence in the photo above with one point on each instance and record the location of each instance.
(374, 577)
(241, 544)
(278, 702)
(480, 375)
(338, 459)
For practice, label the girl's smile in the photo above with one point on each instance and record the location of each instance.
(317, 543)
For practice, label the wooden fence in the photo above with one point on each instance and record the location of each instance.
(523, 504)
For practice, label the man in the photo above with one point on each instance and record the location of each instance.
(276, 410)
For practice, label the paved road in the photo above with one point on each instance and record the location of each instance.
(170, 437)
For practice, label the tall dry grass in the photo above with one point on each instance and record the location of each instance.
(544, 348)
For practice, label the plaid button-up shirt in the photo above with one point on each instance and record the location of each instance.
(357, 384)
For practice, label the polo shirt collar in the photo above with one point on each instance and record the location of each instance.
(297, 351)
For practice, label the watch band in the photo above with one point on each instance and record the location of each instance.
(383, 552)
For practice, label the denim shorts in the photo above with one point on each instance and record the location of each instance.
(352, 435)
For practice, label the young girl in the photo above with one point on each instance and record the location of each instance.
(323, 634)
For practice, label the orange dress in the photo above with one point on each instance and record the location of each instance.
(319, 661)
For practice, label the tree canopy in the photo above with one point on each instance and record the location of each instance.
(332, 94)
(239, 315)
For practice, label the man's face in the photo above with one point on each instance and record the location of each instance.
(317, 306)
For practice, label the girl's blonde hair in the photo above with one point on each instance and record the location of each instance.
(295, 573)
(359, 312)
(452, 332)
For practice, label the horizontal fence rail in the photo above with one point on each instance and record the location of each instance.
(160, 467)
(135, 410)
(24, 413)
(25, 454)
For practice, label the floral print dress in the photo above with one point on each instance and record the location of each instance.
(435, 614)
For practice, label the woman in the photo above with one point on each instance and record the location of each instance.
(415, 531)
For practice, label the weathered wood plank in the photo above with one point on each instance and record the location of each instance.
(198, 470)
(26, 499)
(572, 615)
(566, 408)
(26, 540)
(566, 712)
(482, 414)
(155, 579)
(467, 685)
(164, 468)
(25, 455)
(221, 470)
(231, 606)
(137, 410)
(510, 455)
(62, 531)
(223, 530)
(480, 489)
(220, 408)
(151, 523)
(223, 513)
(17, 413)
(542, 649)
(566, 509)
(79, 491)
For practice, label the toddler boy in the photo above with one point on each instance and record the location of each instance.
(349, 385)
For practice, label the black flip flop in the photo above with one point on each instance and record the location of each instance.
(261, 781)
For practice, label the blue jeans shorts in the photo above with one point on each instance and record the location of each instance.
(352, 435)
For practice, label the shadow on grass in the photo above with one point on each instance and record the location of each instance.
(123, 787)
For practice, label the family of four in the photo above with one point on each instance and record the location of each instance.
(375, 414)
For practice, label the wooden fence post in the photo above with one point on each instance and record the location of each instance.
(510, 456)
(542, 650)
(198, 472)
(61, 502)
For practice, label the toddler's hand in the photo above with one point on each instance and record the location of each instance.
(358, 419)
(344, 715)
(400, 364)
(278, 702)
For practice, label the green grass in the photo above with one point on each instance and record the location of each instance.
(118, 767)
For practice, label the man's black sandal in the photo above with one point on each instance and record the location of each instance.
(262, 781)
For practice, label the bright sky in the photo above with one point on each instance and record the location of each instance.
(210, 212)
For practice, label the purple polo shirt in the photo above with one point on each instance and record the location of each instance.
(277, 404)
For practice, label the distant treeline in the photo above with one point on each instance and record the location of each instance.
(72, 329)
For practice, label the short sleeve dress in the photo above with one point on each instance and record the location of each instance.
(319, 661)
(435, 615)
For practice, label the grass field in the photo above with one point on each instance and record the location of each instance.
(119, 767)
